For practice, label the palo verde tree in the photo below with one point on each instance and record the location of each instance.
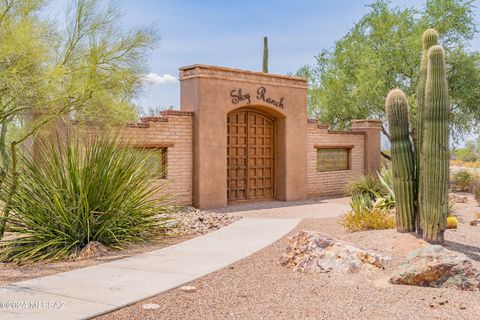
(88, 71)
(380, 52)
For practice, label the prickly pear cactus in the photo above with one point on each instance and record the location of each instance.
(403, 168)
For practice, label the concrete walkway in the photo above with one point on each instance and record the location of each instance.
(92, 291)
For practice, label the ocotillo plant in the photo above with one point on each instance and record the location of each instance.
(265, 55)
(429, 38)
(435, 146)
(396, 108)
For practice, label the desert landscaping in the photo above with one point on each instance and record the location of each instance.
(207, 160)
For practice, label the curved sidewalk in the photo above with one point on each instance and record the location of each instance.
(91, 291)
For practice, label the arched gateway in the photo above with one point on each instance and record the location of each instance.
(249, 131)
(250, 155)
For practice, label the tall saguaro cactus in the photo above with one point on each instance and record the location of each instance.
(429, 38)
(403, 168)
(435, 146)
(265, 55)
(423, 176)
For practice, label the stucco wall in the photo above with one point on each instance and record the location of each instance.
(173, 129)
(332, 182)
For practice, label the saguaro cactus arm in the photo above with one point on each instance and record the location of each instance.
(396, 107)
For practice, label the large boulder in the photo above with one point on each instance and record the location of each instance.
(435, 266)
(314, 252)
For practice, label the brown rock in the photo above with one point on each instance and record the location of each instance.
(91, 250)
(314, 252)
(474, 222)
(435, 266)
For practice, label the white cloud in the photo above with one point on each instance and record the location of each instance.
(154, 78)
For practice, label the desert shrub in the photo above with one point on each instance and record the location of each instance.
(81, 191)
(476, 193)
(365, 215)
(365, 185)
(462, 180)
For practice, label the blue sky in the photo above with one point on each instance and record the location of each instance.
(230, 33)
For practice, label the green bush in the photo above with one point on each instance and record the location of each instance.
(462, 180)
(366, 185)
(81, 191)
(366, 215)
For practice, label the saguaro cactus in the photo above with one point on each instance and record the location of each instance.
(429, 38)
(435, 147)
(265, 55)
(403, 168)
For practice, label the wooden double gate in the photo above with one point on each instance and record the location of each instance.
(250, 155)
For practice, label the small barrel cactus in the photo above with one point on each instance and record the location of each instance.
(435, 147)
(396, 107)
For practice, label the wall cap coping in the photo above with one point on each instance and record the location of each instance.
(366, 123)
(176, 113)
(216, 72)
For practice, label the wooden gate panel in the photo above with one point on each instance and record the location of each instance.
(250, 156)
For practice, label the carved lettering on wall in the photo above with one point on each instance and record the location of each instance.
(238, 96)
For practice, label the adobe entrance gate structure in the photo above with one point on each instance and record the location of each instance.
(249, 135)
(244, 136)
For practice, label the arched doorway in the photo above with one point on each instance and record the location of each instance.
(250, 155)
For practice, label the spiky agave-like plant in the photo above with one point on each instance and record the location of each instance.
(435, 147)
(403, 168)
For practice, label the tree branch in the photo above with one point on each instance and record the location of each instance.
(386, 156)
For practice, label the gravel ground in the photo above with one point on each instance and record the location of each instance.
(189, 223)
(259, 288)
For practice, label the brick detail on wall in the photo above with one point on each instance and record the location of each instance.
(173, 129)
(333, 182)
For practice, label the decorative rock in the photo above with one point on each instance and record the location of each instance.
(315, 252)
(190, 220)
(91, 250)
(435, 266)
(474, 222)
(188, 289)
(150, 306)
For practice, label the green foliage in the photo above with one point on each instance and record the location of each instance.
(462, 180)
(468, 154)
(381, 52)
(403, 166)
(89, 72)
(365, 215)
(368, 185)
(81, 191)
